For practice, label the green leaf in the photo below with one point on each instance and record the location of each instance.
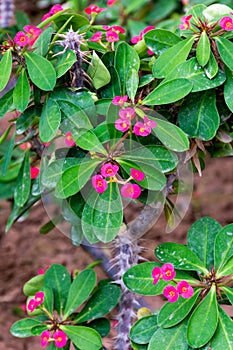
(21, 94)
(23, 184)
(206, 315)
(23, 328)
(101, 325)
(192, 71)
(138, 346)
(48, 299)
(38, 329)
(98, 72)
(223, 248)
(229, 293)
(49, 120)
(180, 256)
(211, 68)
(225, 49)
(216, 10)
(8, 155)
(40, 71)
(58, 279)
(159, 40)
(223, 337)
(179, 53)
(203, 49)
(34, 285)
(201, 112)
(132, 82)
(228, 86)
(126, 59)
(169, 339)
(83, 337)
(6, 102)
(66, 21)
(101, 303)
(87, 214)
(5, 69)
(65, 62)
(173, 313)
(143, 329)
(201, 237)
(90, 142)
(74, 178)
(77, 117)
(226, 269)
(168, 92)
(80, 289)
(26, 119)
(41, 45)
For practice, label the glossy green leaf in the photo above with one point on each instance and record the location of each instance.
(77, 117)
(228, 86)
(38, 329)
(22, 328)
(180, 256)
(49, 120)
(34, 285)
(169, 339)
(101, 325)
(22, 188)
(58, 279)
(66, 20)
(101, 303)
(98, 72)
(201, 238)
(74, 178)
(83, 337)
(223, 248)
(214, 11)
(48, 299)
(173, 313)
(5, 69)
(7, 156)
(168, 92)
(40, 71)
(179, 53)
(132, 82)
(198, 116)
(26, 119)
(203, 49)
(143, 329)
(223, 337)
(226, 269)
(87, 214)
(211, 69)
(126, 59)
(138, 346)
(113, 88)
(192, 71)
(41, 45)
(161, 10)
(159, 40)
(80, 289)
(6, 103)
(90, 142)
(206, 315)
(225, 49)
(64, 62)
(21, 94)
(229, 293)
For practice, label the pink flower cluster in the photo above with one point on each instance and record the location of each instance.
(226, 23)
(185, 22)
(32, 34)
(94, 9)
(112, 34)
(54, 9)
(137, 38)
(59, 337)
(128, 190)
(167, 273)
(36, 301)
(34, 172)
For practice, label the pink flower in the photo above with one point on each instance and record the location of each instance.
(186, 18)
(111, 36)
(93, 9)
(45, 335)
(122, 124)
(32, 30)
(184, 289)
(46, 16)
(46, 144)
(111, 2)
(54, 9)
(96, 37)
(109, 169)
(99, 183)
(135, 39)
(34, 172)
(69, 139)
(21, 39)
(39, 298)
(137, 174)
(186, 22)
(226, 23)
(151, 123)
(120, 100)
(140, 129)
(171, 293)
(25, 145)
(131, 191)
(106, 27)
(168, 272)
(150, 52)
(156, 274)
(31, 305)
(118, 29)
(146, 30)
(60, 339)
(127, 113)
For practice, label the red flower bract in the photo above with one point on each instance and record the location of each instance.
(21, 39)
(45, 335)
(156, 274)
(226, 23)
(131, 191)
(137, 174)
(184, 289)
(171, 293)
(168, 272)
(109, 169)
(99, 183)
(60, 339)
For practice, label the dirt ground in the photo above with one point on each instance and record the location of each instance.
(23, 250)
